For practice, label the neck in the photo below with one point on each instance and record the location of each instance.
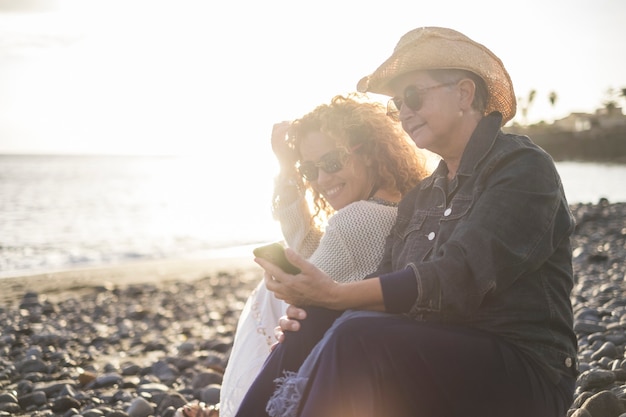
(453, 152)
(388, 195)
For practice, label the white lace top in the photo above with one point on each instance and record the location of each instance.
(351, 246)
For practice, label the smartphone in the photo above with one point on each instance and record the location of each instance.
(275, 253)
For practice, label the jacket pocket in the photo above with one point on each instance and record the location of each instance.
(458, 208)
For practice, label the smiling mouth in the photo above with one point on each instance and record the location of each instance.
(333, 191)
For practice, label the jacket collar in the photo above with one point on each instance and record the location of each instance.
(481, 141)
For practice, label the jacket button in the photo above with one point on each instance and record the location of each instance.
(568, 362)
(431, 235)
(447, 212)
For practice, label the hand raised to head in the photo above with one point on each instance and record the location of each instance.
(285, 154)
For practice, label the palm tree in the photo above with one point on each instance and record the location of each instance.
(525, 107)
(531, 96)
(552, 97)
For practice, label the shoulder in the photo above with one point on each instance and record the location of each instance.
(513, 143)
(364, 207)
(518, 153)
(363, 211)
(516, 163)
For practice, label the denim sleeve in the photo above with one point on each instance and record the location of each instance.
(399, 290)
(517, 219)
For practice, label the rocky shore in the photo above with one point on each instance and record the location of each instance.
(107, 348)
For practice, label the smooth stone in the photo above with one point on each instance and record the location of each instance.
(204, 379)
(94, 412)
(117, 413)
(607, 350)
(140, 407)
(52, 388)
(604, 403)
(24, 386)
(86, 378)
(183, 363)
(34, 377)
(130, 369)
(620, 374)
(186, 348)
(8, 397)
(36, 398)
(168, 412)
(71, 412)
(62, 404)
(166, 372)
(12, 408)
(595, 378)
(210, 394)
(32, 365)
(616, 339)
(171, 401)
(34, 351)
(108, 380)
(152, 387)
(580, 399)
(131, 382)
(7, 340)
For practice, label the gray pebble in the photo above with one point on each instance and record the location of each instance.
(204, 379)
(604, 403)
(140, 407)
(64, 403)
(595, 378)
(36, 398)
(210, 394)
(607, 350)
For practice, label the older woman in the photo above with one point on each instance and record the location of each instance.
(469, 311)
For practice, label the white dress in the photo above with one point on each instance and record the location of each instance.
(350, 249)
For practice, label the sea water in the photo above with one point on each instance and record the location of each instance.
(59, 212)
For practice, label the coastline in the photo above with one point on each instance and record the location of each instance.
(55, 283)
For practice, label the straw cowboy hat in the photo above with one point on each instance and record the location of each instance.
(437, 48)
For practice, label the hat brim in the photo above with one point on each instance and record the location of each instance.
(441, 48)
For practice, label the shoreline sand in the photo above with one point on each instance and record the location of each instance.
(52, 283)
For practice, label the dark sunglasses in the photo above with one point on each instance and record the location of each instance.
(330, 163)
(413, 97)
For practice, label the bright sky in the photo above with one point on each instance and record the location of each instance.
(180, 76)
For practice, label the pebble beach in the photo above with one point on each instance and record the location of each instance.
(143, 340)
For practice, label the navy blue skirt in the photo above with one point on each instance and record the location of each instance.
(395, 367)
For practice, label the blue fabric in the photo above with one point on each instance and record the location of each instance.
(399, 290)
(291, 387)
(429, 370)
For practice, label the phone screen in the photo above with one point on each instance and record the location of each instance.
(275, 253)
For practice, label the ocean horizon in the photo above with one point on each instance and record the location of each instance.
(68, 211)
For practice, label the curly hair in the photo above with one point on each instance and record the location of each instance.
(394, 161)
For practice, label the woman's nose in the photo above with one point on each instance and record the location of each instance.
(323, 176)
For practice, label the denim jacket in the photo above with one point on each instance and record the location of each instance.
(490, 249)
